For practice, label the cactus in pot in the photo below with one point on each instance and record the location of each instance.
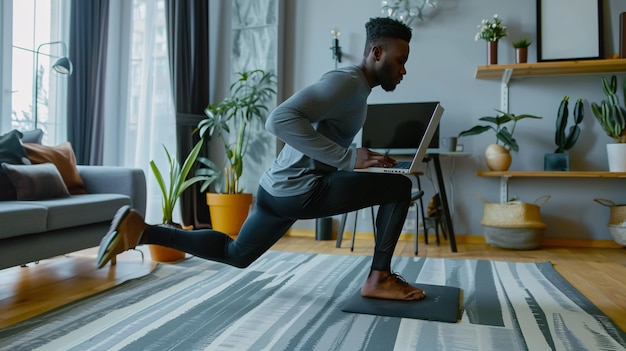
(610, 114)
(563, 140)
(612, 117)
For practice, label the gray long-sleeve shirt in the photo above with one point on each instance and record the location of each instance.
(317, 124)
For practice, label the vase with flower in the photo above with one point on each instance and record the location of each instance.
(491, 32)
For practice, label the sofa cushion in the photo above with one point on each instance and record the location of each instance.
(36, 182)
(19, 218)
(32, 136)
(63, 157)
(83, 209)
(11, 152)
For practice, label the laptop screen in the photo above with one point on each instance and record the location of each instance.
(398, 128)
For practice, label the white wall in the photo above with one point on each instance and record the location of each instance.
(443, 61)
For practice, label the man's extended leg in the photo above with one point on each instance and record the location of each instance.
(260, 231)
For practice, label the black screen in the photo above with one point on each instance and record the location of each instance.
(398, 127)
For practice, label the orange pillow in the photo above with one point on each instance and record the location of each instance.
(63, 157)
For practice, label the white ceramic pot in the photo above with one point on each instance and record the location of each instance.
(498, 158)
(617, 157)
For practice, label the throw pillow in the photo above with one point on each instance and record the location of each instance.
(63, 158)
(32, 136)
(11, 152)
(36, 182)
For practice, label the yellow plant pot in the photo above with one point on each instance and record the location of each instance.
(165, 254)
(498, 158)
(228, 211)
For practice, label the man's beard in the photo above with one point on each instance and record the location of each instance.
(387, 82)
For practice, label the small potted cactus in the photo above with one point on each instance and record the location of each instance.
(521, 50)
(563, 138)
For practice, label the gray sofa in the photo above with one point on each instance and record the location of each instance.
(35, 230)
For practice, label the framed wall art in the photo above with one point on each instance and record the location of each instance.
(569, 30)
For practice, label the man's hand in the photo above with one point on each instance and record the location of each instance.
(366, 158)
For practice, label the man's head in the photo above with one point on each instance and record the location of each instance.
(382, 29)
(387, 50)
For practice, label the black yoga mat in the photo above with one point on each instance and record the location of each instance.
(440, 304)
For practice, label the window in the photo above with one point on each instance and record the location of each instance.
(40, 33)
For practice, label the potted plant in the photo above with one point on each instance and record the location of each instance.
(521, 50)
(491, 32)
(612, 117)
(171, 191)
(498, 156)
(230, 120)
(559, 160)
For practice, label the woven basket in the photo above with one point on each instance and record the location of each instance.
(618, 232)
(514, 214)
(617, 212)
(514, 225)
(514, 238)
(617, 220)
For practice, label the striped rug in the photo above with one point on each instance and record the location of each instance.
(292, 301)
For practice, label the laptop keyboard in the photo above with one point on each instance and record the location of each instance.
(402, 165)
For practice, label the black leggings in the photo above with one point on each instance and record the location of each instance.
(332, 194)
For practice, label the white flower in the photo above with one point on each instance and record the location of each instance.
(491, 31)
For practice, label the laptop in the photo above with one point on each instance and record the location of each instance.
(424, 137)
(391, 128)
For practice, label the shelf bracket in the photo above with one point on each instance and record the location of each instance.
(504, 189)
(504, 90)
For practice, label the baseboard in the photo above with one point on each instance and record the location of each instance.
(469, 239)
(580, 243)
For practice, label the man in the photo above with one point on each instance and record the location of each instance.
(313, 176)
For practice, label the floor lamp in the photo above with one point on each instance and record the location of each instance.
(63, 66)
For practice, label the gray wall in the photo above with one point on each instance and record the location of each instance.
(444, 57)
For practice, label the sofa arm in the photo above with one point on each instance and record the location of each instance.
(116, 180)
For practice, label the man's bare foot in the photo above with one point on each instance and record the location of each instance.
(390, 286)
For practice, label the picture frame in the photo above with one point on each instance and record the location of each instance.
(563, 22)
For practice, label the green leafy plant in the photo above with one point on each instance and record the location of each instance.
(503, 134)
(522, 43)
(491, 31)
(609, 113)
(249, 96)
(565, 141)
(178, 182)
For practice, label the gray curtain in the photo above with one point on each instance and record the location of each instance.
(188, 40)
(88, 50)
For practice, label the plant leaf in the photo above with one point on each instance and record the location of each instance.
(475, 130)
(507, 139)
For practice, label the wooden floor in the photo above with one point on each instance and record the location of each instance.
(598, 273)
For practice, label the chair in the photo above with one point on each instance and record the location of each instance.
(414, 198)
(342, 226)
(434, 219)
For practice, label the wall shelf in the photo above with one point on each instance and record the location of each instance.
(555, 174)
(506, 175)
(538, 69)
(520, 70)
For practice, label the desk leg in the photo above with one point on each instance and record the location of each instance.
(444, 202)
(504, 190)
(342, 227)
